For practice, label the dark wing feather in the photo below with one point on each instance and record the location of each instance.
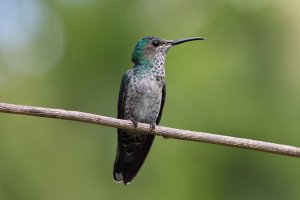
(163, 99)
(117, 173)
(123, 88)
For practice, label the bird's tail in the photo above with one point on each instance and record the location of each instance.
(131, 153)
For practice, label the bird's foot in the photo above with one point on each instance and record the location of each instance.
(134, 123)
(152, 126)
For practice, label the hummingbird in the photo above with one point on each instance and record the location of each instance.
(141, 99)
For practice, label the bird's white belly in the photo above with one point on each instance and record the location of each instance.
(145, 101)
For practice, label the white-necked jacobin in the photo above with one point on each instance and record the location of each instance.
(141, 99)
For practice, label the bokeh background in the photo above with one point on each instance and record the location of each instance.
(243, 81)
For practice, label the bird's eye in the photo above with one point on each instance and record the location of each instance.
(155, 43)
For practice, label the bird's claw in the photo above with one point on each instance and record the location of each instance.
(134, 123)
(152, 126)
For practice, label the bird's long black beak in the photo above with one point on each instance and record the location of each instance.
(180, 41)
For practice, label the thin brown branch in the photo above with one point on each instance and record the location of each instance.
(159, 130)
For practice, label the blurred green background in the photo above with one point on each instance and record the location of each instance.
(243, 81)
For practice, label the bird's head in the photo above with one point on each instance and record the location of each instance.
(151, 47)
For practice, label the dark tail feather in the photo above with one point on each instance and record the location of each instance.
(130, 156)
(118, 176)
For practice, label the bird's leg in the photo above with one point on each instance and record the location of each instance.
(134, 122)
(152, 126)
